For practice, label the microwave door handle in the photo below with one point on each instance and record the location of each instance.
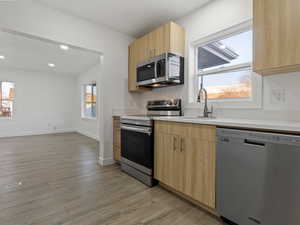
(167, 67)
(155, 69)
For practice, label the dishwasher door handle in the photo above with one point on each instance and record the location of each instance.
(146, 130)
(256, 143)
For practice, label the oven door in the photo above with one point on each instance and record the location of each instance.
(137, 147)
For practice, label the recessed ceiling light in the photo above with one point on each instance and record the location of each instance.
(2, 57)
(64, 47)
(51, 64)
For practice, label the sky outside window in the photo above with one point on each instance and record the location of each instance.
(241, 44)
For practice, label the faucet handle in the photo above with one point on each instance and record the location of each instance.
(198, 98)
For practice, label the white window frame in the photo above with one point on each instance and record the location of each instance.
(255, 101)
(83, 88)
(14, 101)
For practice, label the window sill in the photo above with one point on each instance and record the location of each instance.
(6, 118)
(88, 118)
(233, 104)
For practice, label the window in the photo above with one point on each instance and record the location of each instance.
(7, 95)
(224, 66)
(89, 106)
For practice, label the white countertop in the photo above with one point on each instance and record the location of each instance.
(286, 126)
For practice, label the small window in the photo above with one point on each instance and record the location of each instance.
(89, 106)
(224, 66)
(7, 96)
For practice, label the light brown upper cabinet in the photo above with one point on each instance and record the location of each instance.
(167, 38)
(276, 36)
(132, 61)
(185, 159)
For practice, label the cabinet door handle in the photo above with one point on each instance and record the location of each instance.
(174, 143)
(181, 145)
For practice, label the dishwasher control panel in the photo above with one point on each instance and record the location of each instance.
(259, 136)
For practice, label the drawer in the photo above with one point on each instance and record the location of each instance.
(201, 132)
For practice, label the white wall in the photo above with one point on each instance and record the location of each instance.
(217, 16)
(44, 103)
(200, 24)
(37, 20)
(88, 127)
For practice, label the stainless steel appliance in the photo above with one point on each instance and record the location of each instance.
(258, 177)
(164, 70)
(137, 139)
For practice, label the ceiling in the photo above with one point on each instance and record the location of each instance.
(132, 17)
(34, 55)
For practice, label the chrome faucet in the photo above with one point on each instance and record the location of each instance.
(202, 92)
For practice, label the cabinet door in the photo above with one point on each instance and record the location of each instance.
(185, 159)
(169, 158)
(199, 170)
(157, 43)
(276, 36)
(175, 39)
(132, 62)
(143, 49)
(135, 55)
(167, 38)
(151, 44)
(164, 158)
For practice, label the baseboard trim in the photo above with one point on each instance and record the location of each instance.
(88, 134)
(189, 199)
(33, 133)
(106, 161)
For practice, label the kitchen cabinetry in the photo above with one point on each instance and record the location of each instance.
(116, 138)
(167, 38)
(185, 159)
(276, 36)
(167, 160)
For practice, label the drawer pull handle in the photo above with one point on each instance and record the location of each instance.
(181, 145)
(250, 142)
(174, 143)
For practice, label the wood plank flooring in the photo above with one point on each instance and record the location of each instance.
(56, 180)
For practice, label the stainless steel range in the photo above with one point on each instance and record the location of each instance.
(137, 139)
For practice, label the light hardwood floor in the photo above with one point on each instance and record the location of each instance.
(55, 180)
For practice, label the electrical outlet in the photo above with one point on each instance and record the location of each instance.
(277, 96)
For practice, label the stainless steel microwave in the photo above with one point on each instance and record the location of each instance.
(160, 71)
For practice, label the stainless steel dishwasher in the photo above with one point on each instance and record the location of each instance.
(258, 177)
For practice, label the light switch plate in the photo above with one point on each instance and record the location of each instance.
(277, 95)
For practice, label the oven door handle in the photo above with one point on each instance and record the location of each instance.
(146, 130)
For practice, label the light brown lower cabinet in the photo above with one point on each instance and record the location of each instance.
(185, 159)
(116, 139)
